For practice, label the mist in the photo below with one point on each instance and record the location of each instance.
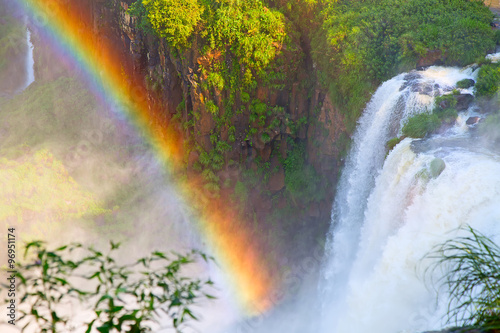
(72, 169)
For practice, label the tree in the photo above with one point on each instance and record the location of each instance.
(174, 19)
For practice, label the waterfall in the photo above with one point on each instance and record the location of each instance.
(389, 213)
(30, 61)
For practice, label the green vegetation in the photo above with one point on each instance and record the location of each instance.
(249, 51)
(301, 180)
(445, 108)
(488, 80)
(376, 39)
(238, 42)
(420, 125)
(247, 30)
(472, 266)
(173, 19)
(393, 143)
(117, 297)
(465, 83)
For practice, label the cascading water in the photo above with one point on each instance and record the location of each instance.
(388, 215)
(30, 61)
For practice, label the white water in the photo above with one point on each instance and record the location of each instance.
(387, 216)
(30, 61)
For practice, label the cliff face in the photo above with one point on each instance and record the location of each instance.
(304, 135)
(308, 115)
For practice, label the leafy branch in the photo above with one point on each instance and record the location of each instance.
(118, 297)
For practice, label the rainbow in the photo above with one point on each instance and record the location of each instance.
(233, 246)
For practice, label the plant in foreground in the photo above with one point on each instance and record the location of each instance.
(116, 297)
(472, 277)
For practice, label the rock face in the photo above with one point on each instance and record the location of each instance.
(179, 78)
(307, 117)
(432, 58)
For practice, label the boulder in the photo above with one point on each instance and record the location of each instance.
(472, 120)
(410, 80)
(436, 168)
(424, 89)
(432, 57)
(463, 101)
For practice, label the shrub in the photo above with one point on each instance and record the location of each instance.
(212, 108)
(120, 297)
(420, 125)
(448, 116)
(445, 108)
(472, 265)
(444, 102)
(488, 80)
(465, 83)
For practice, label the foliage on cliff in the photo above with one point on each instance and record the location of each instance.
(248, 29)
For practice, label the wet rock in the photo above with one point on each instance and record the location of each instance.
(265, 153)
(473, 120)
(463, 101)
(410, 81)
(426, 90)
(436, 168)
(412, 76)
(432, 58)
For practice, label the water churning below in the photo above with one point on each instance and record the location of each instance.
(389, 212)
